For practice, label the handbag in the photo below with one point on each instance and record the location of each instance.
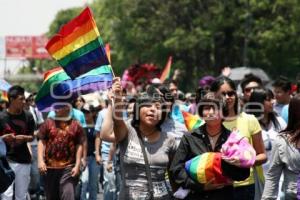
(7, 175)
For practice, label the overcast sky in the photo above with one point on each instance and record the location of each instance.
(26, 18)
(31, 17)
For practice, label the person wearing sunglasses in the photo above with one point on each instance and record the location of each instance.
(248, 84)
(249, 127)
(207, 138)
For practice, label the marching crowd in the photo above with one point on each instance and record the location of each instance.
(134, 144)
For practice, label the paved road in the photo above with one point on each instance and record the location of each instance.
(100, 196)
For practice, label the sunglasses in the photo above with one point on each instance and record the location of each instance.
(248, 89)
(230, 93)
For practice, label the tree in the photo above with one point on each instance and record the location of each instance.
(202, 36)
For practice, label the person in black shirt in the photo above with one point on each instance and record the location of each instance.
(16, 129)
(207, 138)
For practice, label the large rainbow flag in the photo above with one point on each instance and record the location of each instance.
(191, 121)
(78, 47)
(205, 168)
(59, 87)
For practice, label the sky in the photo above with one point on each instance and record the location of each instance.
(28, 18)
(31, 17)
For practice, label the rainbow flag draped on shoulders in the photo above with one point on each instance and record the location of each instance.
(78, 47)
(59, 87)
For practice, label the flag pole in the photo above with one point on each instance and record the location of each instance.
(107, 51)
(113, 73)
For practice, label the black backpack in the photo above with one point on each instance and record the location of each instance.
(7, 175)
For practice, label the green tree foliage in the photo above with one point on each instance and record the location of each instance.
(202, 36)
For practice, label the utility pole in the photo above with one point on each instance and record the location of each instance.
(247, 31)
(5, 66)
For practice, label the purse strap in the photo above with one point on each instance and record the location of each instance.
(147, 166)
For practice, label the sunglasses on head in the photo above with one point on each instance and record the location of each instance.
(230, 93)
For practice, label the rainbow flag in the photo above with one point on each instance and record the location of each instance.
(78, 47)
(191, 121)
(205, 168)
(4, 87)
(107, 50)
(3, 96)
(59, 87)
(167, 70)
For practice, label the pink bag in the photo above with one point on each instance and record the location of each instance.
(239, 149)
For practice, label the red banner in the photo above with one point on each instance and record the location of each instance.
(26, 47)
(38, 47)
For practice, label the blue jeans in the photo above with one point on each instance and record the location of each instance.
(109, 184)
(118, 177)
(89, 179)
(36, 185)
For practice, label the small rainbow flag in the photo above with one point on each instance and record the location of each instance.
(78, 47)
(205, 168)
(191, 121)
(167, 70)
(3, 96)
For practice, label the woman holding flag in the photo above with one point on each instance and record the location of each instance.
(145, 150)
(249, 127)
(206, 140)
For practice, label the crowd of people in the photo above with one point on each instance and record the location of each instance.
(134, 144)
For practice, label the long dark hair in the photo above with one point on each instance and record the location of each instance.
(216, 85)
(259, 96)
(293, 126)
(75, 100)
